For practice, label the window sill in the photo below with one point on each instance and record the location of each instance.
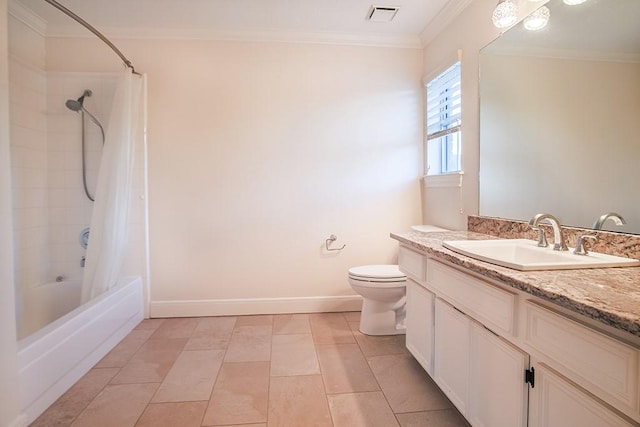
(451, 180)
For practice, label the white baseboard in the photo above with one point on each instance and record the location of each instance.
(233, 307)
(21, 421)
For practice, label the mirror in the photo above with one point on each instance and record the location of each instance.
(560, 117)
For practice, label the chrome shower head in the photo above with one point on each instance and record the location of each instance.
(74, 105)
(77, 104)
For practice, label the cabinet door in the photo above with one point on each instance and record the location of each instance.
(555, 402)
(419, 321)
(451, 355)
(498, 392)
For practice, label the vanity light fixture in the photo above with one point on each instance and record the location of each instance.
(538, 19)
(573, 2)
(505, 14)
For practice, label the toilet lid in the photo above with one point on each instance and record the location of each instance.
(384, 272)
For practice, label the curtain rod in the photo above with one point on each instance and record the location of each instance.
(89, 27)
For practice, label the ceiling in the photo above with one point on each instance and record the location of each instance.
(341, 21)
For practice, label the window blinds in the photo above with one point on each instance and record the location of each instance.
(444, 103)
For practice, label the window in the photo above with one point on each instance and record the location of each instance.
(443, 122)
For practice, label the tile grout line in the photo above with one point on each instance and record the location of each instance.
(324, 385)
(270, 367)
(395, 415)
(160, 383)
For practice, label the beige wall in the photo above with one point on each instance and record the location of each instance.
(258, 152)
(9, 405)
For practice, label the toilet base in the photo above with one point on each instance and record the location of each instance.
(379, 318)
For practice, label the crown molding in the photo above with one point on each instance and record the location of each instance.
(27, 17)
(448, 13)
(248, 35)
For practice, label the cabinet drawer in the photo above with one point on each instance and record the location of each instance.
(492, 306)
(604, 365)
(412, 263)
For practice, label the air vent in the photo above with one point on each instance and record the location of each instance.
(382, 13)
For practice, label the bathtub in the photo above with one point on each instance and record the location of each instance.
(54, 357)
(46, 303)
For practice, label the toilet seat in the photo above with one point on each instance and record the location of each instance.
(377, 273)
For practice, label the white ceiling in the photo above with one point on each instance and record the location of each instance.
(325, 20)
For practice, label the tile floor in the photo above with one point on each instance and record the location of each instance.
(283, 370)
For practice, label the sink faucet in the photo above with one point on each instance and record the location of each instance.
(616, 218)
(558, 239)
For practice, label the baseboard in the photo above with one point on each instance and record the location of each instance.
(236, 307)
(21, 421)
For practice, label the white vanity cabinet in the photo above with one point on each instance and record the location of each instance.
(452, 356)
(554, 401)
(484, 343)
(419, 321)
(482, 374)
(499, 394)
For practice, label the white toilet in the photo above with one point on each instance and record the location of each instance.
(383, 290)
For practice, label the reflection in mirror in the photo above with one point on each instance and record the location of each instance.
(560, 117)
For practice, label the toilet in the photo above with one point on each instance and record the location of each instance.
(383, 290)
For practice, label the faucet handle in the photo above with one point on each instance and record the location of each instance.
(542, 237)
(580, 247)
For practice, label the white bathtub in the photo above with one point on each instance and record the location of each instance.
(44, 304)
(57, 355)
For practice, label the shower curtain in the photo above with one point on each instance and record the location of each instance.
(109, 222)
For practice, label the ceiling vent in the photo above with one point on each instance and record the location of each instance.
(382, 13)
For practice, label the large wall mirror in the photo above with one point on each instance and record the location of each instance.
(560, 117)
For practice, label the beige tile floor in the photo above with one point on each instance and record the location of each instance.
(283, 370)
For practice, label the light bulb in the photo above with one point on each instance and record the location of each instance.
(538, 19)
(573, 2)
(505, 14)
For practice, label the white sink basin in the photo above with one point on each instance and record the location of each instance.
(525, 255)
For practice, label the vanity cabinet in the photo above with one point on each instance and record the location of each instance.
(482, 374)
(506, 358)
(419, 321)
(499, 394)
(555, 401)
(452, 356)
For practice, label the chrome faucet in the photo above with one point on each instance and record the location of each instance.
(616, 218)
(559, 243)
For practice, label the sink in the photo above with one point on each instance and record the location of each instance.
(525, 255)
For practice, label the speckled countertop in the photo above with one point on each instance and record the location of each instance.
(609, 295)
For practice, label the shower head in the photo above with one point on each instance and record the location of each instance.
(74, 105)
(77, 104)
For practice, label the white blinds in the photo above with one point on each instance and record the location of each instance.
(444, 103)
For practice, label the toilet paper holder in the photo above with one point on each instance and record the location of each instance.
(330, 240)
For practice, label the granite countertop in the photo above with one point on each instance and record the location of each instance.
(608, 295)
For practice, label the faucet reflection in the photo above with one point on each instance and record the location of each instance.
(615, 217)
